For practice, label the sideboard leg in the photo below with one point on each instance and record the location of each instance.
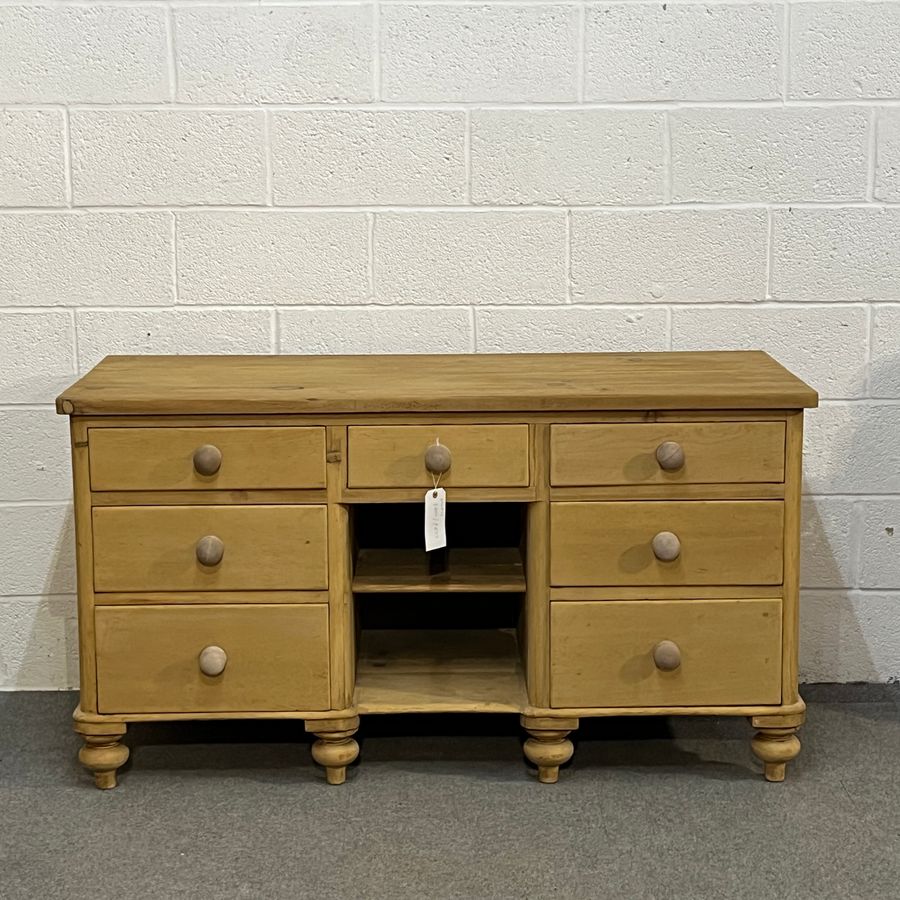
(335, 748)
(548, 746)
(103, 753)
(775, 743)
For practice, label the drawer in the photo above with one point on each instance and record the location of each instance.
(714, 653)
(160, 548)
(175, 459)
(393, 456)
(149, 658)
(716, 542)
(688, 453)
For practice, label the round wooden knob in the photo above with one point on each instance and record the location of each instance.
(666, 546)
(670, 456)
(207, 459)
(437, 459)
(667, 656)
(210, 550)
(213, 660)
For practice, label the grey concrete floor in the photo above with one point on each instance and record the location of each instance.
(445, 807)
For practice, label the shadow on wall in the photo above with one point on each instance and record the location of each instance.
(853, 542)
(39, 644)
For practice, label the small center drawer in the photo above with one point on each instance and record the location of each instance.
(666, 542)
(197, 459)
(393, 456)
(212, 658)
(667, 453)
(209, 548)
(665, 653)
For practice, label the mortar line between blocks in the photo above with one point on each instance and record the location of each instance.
(67, 157)
(376, 51)
(76, 351)
(473, 328)
(872, 156)
(669, 318)
(370, 253)
(870, 344)
(171, 64)
(580, 52)
(267, 158)
(467, 156)
(667, 157)
(770, 251)
(275, 331)
(567, 256)
(175, 291)
(786, 52)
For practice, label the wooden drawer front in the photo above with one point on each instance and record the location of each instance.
(156, 459)
(148, 658)
(602, 653)
(721, 542)
(155, 548)
(713, 452)
(386, 456)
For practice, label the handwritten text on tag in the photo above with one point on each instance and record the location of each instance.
(435, 519)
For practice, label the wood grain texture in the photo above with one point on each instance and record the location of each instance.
(342, 626)
(161, 598)
(184, 385)
(84, 558)
(150, 459)
(393, 456)
(149, 548)
(147, 658)
(722, 542)
(439, 671)
(536, 618)
(792, 505)
(714, 452)
(480, 570)
(601, 653)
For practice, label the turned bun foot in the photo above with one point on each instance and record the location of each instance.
(335, 748)
(775, 747)
(335, 754)
(548, 751)
(103, 755)
(548, 746)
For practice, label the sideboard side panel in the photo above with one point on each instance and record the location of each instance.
(793, 490)
(84, 554)
(341, 627)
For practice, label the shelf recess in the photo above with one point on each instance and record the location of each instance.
(476, 670)
(474, 570)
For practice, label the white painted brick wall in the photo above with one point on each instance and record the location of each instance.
(508, 175)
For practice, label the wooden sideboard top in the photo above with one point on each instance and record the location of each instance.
(171, 385)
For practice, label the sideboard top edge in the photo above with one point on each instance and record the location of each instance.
(478, 383)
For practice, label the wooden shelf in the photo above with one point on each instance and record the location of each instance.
(439, 671)
(480, 569)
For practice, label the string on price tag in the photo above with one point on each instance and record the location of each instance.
(435, 514)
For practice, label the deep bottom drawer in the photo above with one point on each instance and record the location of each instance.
(725, 653)
(148, 658)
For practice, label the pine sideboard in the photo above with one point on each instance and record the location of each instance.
(623, 538)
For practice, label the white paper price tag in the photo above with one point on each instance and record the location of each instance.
(435, 519)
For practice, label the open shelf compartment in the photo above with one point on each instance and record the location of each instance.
(470, 569)
(441, 670)
(485, 553)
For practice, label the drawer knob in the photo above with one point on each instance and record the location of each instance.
(666, 546)
(437, 459)
(213, 660)
(207, 459)
(670, 456)
(210, 550)
(667, 656)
